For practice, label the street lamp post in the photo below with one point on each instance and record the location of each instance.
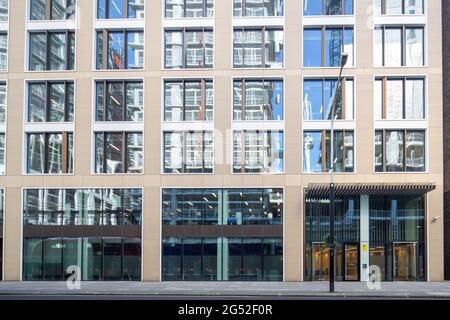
(343, 60)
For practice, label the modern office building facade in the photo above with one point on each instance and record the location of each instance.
(165, 140)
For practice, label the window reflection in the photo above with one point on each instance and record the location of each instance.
(258, 100)
(52, 9)
(189, 8)
(327, 7)
(317, 148)
(188, 152)
(222, 206)
(262, 48)
(122, 49)
(323, 46)
(396, 7)
(258, 151)
(258, 8)
(189, 48)
(50, 153)
(400, 150)
(60, 54)
(2, 102)
(119, 152)
(120, 9)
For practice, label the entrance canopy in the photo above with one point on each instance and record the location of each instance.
(342, 190)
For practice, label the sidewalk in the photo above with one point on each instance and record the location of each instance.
(233, 289)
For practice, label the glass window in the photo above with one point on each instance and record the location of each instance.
(124, 100)
(119, 152)
(122, 49)
(189, 48)
(258, 152)
(50, 153)
(327, 7)
(3, 51)
(334, 40)
(132, 259)
(60, 54)
(4, 10)
(258, 100)
(32, 259)
(318, 98)
(120, 9)
(258, 8)
(50, 101)
(399, 150)
(316, 151)
(188, 152)
(189, 8)
(52, 259)
(52, 9)
(258, 48)
(399, 46)
(404, 98)
(2, 102)
(397, 7)
(71, 254)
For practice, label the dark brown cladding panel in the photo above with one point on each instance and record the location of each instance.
(81, 231)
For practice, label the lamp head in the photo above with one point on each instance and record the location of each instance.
(344, 58)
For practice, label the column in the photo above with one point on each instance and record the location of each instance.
(364, 237)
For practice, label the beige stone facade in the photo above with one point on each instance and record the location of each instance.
(292, 180)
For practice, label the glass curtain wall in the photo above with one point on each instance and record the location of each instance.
(99, 258)
(60, 207)
(397, 237)
(317, 232)
(222, 258)
(222, 207)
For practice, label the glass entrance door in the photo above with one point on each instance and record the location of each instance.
(351, 262)
(320, 261)
(405, 258)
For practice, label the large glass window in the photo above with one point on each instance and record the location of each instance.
(317, 148)
(120, 9)
(323, 46)
(119, 100)
(258, 8)
(317, 230)
(327, 7)
(396, 7)
(50, 101)
(399, 150)
(52, 9)
(82, 207)
(397, 236)
(98, 258)
(188, 152)
(50, 152)
(246, 259)
(258, 48)
(222, 206)
(189, 48)
(3, 51)
(119, 152)
(189, 8)
(2, 102)
(318, 98)
(399, 46)
(188, 100)
(258, 151)
(52, 51)
(120, 49)
(4, 10)
(400, 98)
(259, 100)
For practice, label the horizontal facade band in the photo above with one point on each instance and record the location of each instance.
(223, 230)
(82, 231)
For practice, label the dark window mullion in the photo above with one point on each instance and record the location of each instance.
(184, 47)
(46, 155)
(184, 99)
(124, 151)
(104, 134)
(244, 97)
(124, 101)
(105, 48)
(67, 47)
(404, 149)
(404, 98)
(47, 50)
(125, 9)
(47, 101)
(125, 49)
(263, 38)
(66, 101)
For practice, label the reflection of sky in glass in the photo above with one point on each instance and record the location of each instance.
(333, 47)
(134, 50)
(115, 10)
(312, 48)
(277, 100)
(312, 99)
(312, 7)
